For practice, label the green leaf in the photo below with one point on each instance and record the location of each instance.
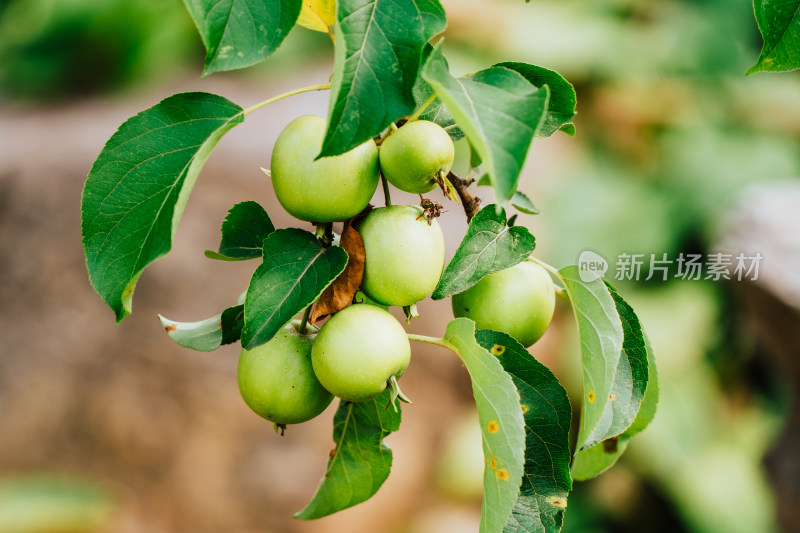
(489, 246)
(243, 232)
(240, 33)
(600, 457)
(601, 335)
(138, 186)
(521, 201)
(360, 462)
(561, 107)
(647, 411)
(295, 271)
(377, 54)
(779, 23)
(232, 323)
(547, 413)
(435, 111)
(630, 379)
(475, 161)
(502, 425)
(209, 334)
(594, 461)
(630, 383)
(498, 110)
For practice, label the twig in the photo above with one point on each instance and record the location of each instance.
(472, 204)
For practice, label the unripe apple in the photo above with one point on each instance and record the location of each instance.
(328, 189)
(277, 380)
(404, 255)
(358, 350)
(413, 156)
(519, 301)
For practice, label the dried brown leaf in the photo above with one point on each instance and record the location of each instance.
(339, 294)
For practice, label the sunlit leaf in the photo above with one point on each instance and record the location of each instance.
(318, 15)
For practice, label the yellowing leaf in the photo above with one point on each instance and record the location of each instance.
(318, 15)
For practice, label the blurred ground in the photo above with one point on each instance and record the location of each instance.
(669, 135)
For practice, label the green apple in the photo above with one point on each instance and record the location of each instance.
(519, 301)
(358, 351)
(414, 156)
(404, 255)
(277, 380)
(325, 190)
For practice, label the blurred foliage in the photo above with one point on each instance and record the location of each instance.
(53, 504)
(55, 49)
(61, 49)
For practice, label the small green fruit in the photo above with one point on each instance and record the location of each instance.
(404, 255)
(358, 350)
(413, 156)
(519, 301)
(277, 380)
(329, 189)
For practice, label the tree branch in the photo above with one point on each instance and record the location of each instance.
(472, 204)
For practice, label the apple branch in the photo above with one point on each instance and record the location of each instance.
(471, 203)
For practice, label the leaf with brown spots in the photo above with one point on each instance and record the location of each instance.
(339, 294)
(501, 420)
(546, 413)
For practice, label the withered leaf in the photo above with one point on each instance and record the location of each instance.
(339, 294)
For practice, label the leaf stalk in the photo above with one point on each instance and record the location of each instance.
(319, 87)
(438, 341)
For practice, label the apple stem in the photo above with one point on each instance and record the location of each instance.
(386, 196)
(324, 234)
(303, 328)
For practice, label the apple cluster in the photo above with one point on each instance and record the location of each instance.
(362, 349)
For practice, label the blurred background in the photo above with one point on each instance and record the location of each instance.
(108, 428)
